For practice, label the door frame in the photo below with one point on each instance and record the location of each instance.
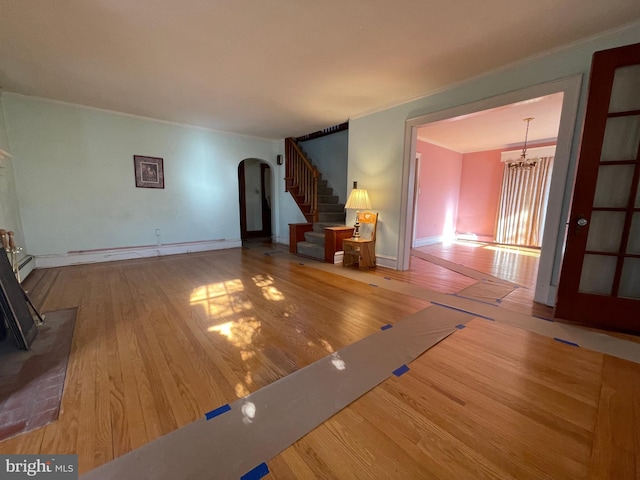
(554, 234)
(242, 200)
(267, 218)
(266, 213)
(416, 198)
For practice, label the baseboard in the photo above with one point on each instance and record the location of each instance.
(282, 240)
(111, 255)
(423, 242)
(388, 262)
(26, 265)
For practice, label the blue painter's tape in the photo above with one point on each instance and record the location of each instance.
(257, 473)
(217, 411)
(373, 285)
(386, 327)
(464, 311)
(460, 327)
(565, 341)
(399, 371)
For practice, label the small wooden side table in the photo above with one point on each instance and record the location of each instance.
(360, 251)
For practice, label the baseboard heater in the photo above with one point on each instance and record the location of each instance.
(26, 266)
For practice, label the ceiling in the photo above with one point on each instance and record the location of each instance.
(275, 68)
(498, 128)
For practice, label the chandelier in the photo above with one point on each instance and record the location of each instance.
(523, 162)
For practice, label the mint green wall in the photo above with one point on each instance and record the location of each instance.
(330, 155)
(74, 165)
(9, 211)
(4, 140)
(75, 178)
(376, 141)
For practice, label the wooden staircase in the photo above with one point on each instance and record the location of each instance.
(317, 203)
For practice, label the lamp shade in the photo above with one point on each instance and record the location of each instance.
(358, 199)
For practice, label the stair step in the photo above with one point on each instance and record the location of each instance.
(330, 207)
(337, 217)
(314, 237)
(312, 250)
(325, 190)
(320, 226)
(328, 199)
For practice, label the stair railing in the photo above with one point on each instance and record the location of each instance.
(301, 180)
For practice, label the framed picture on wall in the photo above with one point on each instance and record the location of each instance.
(149, 171)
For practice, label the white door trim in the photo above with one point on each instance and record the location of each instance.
(557, 212)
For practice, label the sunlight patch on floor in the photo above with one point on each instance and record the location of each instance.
(469, 243)
(265, 282)
(220, 300)
(527, 252)
(518, 250)
(239, 333)
(241, 390)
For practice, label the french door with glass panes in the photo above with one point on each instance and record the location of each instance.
(600, 278)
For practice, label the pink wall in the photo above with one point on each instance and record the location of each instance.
(458, 192)
(480, 185)
(439, 185)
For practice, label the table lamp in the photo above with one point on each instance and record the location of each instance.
(358, 200)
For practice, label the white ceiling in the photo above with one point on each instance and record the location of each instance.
(498, 128)
(280, 67)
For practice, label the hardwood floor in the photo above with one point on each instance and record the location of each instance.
(515, 264)
(160, 341)
(488, 402)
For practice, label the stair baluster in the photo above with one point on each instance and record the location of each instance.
(301, 180)
(322, 236)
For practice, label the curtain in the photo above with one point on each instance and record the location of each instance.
(523, 204)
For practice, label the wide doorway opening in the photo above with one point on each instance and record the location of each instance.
(456, 184)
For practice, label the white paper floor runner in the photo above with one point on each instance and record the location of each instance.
(486, 291)
(461, 269)
(243, 435)
(598, 342)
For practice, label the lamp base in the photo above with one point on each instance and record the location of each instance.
(356, 226)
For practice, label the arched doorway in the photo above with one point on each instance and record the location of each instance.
(254, 187)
